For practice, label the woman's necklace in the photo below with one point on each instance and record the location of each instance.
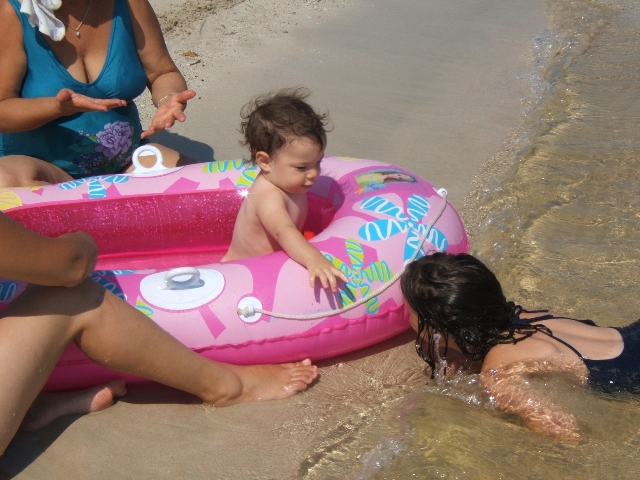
(77, 30)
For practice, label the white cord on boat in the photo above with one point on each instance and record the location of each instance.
(250, 310)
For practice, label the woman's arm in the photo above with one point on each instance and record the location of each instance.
(167, 85)
(64, 261)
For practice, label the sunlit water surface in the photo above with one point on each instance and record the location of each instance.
(556, 214)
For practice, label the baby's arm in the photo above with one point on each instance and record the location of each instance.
(272, 213)
(510, 392)
(64, 261)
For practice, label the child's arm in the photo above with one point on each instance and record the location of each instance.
(64, 261)
(510, 392)
(272, 213)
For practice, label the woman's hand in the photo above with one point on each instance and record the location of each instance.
(170, 109)
(72, 103)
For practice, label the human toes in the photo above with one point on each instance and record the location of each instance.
(304, 371)
(104, 395)
(50, 406)
(305, 364)
(296, 387)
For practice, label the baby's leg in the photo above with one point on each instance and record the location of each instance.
(24, 171)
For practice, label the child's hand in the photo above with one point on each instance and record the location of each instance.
(320, 267)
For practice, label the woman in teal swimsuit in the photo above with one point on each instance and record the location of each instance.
(66, 107)
(459, 299)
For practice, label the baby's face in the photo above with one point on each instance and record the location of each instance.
(296, 165)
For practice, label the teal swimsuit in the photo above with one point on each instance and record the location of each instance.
(89, 143)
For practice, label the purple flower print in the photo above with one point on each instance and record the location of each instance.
(114, 139)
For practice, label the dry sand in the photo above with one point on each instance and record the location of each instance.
(430, 85)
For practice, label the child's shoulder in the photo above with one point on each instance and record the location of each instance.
(268, 190)
(531, 349)
(262, 186)
(267, 196)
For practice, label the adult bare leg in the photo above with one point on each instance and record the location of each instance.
(24, 171)
(121, 338)
(37, 327)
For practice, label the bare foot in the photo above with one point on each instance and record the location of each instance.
(49, 406)
(264, 382)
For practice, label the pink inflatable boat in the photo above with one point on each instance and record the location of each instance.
(161, 233)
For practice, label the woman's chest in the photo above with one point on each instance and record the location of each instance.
(102, 62)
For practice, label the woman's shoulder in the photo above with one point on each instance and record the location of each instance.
(13, 42)
(8, 11)
(141, 10)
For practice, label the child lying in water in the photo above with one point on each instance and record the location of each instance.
(458, 297)
(287, 139)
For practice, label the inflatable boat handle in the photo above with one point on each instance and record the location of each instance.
(193, 281)
(139, 168)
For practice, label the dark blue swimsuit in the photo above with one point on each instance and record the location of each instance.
(619, 374)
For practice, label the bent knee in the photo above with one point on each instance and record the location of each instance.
(77, 301)
(25, 171)
(172, 158)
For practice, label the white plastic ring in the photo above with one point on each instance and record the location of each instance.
(139, 168)
(192, 281)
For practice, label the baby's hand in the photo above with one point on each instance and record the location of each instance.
(320, 267)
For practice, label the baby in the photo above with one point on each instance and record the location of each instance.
(287, 139)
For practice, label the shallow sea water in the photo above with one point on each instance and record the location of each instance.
(556, 214)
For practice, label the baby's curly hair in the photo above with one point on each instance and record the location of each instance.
(270, 120)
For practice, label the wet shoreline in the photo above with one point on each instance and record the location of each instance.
(432, 86)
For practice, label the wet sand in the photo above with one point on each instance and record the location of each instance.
(431, 86)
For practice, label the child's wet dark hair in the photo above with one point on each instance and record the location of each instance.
(458, 296)
(270, 120)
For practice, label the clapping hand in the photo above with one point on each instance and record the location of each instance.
(170, 109)
(71, 103)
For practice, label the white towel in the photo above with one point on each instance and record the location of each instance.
(41, 15)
